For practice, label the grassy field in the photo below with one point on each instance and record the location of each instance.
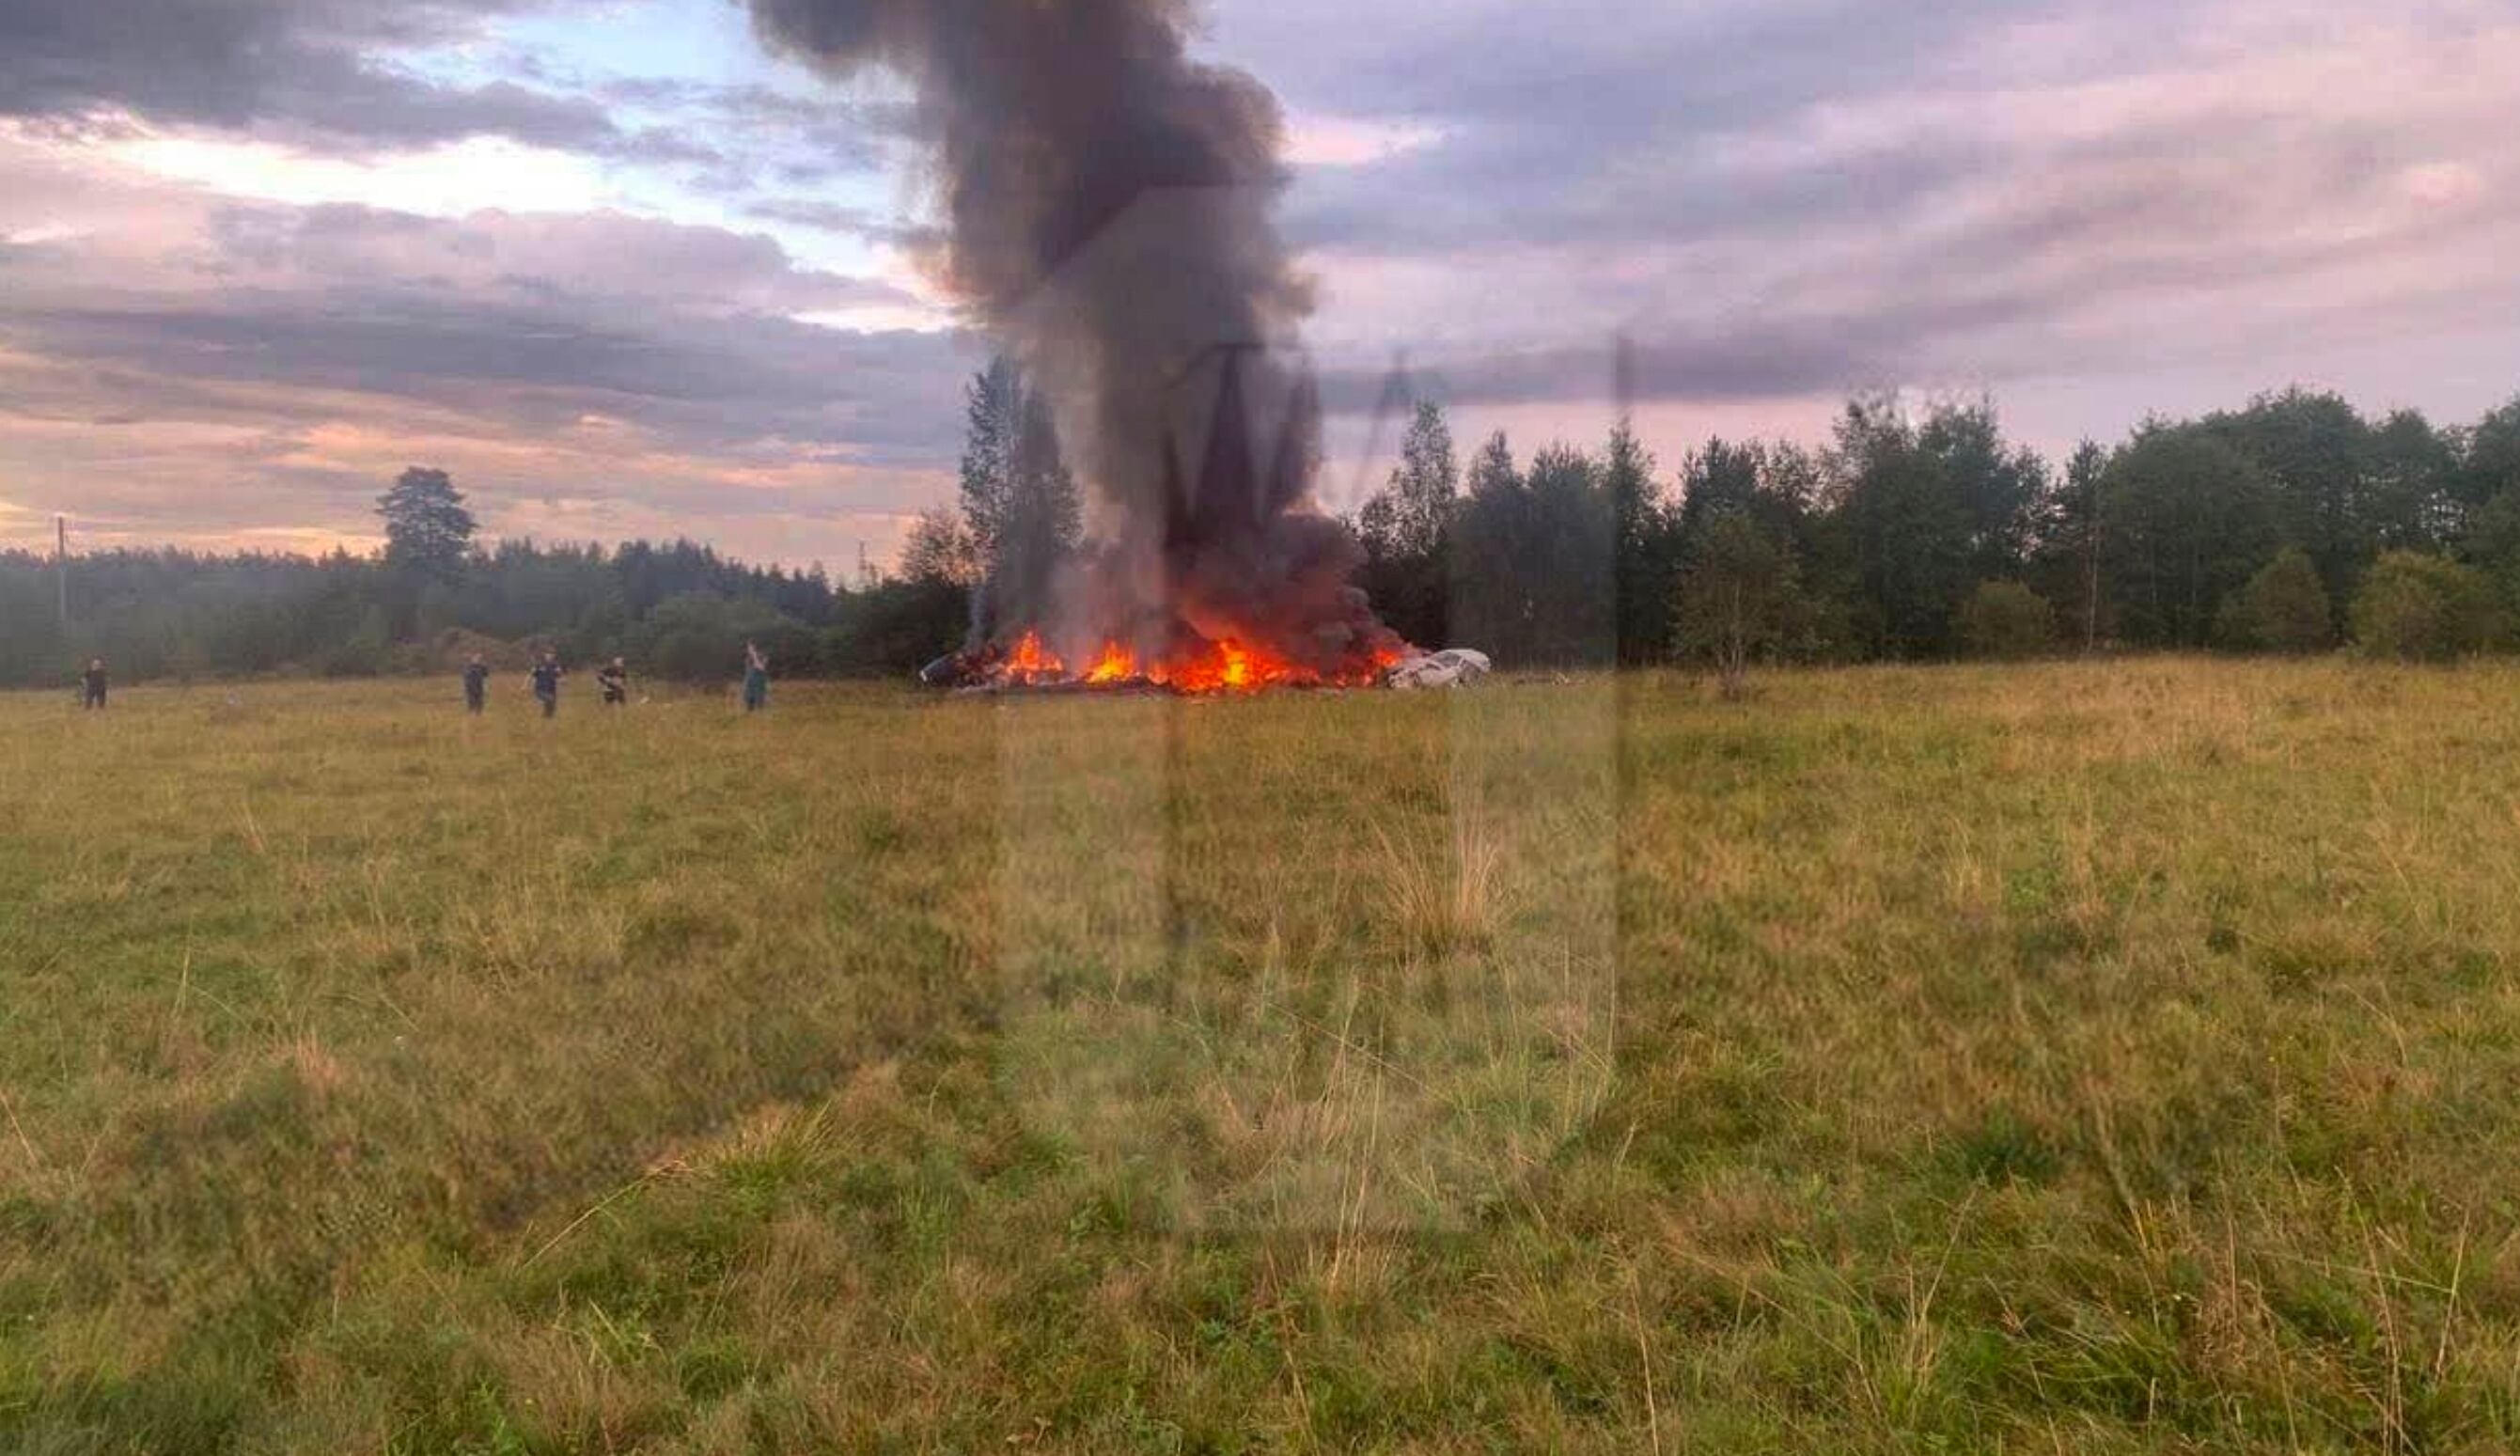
(2065, 1058)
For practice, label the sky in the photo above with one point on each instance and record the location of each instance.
(625, 274)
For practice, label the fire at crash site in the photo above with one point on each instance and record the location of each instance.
(1122, 726)
(1111, 225)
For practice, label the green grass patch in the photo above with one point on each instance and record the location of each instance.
(2109, 1058)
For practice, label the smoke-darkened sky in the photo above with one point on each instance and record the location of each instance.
(624, 274)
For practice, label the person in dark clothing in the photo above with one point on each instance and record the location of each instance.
(614, 679)
(91, 685)
(756, 678)
(546, 676)
(476, 685)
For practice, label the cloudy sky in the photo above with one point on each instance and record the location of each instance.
(625, 275)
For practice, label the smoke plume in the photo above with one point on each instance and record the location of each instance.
(1110, 221)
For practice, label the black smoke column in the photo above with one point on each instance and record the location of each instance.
(1110, 207)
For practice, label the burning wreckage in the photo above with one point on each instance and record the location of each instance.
(1110, 223)
(1219, 667)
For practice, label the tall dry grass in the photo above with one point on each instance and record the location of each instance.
(2092, 1058)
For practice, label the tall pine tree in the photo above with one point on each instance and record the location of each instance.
(1644, 547)
(1407, 530)
(1021, 505)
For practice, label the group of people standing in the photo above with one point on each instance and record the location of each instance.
(613, 680)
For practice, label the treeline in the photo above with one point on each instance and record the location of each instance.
(679, 611)
(2294, 525)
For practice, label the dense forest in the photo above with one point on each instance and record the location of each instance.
(2294, 525)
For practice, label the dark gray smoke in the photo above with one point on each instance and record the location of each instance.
(1109, 210)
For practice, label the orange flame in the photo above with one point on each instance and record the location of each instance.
(1226, 665)
(1117, 665)
(1032, 663)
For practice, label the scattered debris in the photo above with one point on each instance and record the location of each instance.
(1458, 667)
(1030, 669)
(953, 671)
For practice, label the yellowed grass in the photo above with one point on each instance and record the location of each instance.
(2087, 1057)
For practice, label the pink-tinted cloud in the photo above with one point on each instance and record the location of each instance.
(2091, 209)
(179, 366)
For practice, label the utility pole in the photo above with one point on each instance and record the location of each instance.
(61, 566)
